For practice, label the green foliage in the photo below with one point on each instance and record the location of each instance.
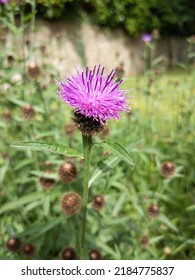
(134, 16)
(53, 8)
(160, 128)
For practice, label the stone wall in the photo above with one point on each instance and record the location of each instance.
(67, 46)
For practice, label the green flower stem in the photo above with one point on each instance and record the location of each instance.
(39, 91)
(87, 144)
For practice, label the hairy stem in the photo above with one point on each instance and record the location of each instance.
(87, 144)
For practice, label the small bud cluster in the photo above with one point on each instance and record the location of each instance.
(14, 245)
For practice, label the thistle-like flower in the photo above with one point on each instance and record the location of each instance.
(94, 95)
(146, 38)
(3, 1)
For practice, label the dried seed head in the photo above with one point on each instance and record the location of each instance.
(14, 245)
(10, 58)
(167, 250)
(69, 129)
(29, 250)
(94, 254)
(6, 115)
(71, 203)
(153, 211)
(68, 253)
(144, 241)
(87, 125)
(28, 112)
(67, 172)
(98, 202)
(168, 169)
(33, 71)
(47, 183)
(119, 71)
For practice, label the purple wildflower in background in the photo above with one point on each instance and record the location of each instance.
(147, 38)
(94, 94)
(3, 1)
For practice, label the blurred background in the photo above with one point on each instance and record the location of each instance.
(147, 212)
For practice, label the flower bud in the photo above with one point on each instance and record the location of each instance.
(98, 202)
(13, 245)
(29, 250)
(6, 115)
(68, 253)
(28, 112)
(94, 254)
(167, 250)
(144, 241)
(168, 169)
(33, 71)
(71, 203)
(67, 172)
(47, 183)
(153, 211)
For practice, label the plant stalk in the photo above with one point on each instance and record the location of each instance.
(87, 144)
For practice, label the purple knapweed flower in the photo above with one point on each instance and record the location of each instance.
(94, 94)
(3, 1)
(146, 38)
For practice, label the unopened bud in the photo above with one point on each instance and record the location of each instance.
(71, 203)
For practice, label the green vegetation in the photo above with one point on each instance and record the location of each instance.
(134, 16)
(148, 212)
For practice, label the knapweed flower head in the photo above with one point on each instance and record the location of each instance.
(94, 94)
(3, 1)
(146, 38)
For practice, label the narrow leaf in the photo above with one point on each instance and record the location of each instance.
(39, 229)
(44, 146)
(118, 151)
(105, 165)
(21, 201)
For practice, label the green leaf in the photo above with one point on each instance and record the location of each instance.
(21, 201)
(40, 229)
(10, 26)
(157, 60)
(118, 151)
(167, 222)
(21, 103)
(44, 146)
(105, 165)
